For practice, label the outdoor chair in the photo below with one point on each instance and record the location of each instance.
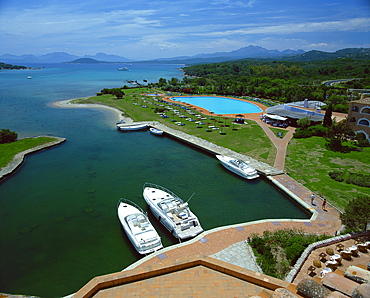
(346, 255)
(362, 247)
(332, 265)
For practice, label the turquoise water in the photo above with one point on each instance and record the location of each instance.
(220, 105)
(59, 226)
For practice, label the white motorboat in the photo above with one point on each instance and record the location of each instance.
(127, 127)
(238, 166)
(138, 228)
(171, 211)
(123, 69)
(156, 131)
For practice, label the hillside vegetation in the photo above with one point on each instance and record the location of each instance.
(278, 80)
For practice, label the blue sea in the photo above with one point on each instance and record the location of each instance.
(58, 217)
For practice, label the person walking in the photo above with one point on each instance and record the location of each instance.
(324, 205)
(312, 199)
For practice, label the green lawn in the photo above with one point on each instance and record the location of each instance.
(309, 162)
(8, 150)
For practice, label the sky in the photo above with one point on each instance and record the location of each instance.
(148, 29)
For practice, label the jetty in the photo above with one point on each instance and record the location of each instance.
(211, 148)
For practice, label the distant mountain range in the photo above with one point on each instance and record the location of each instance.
(259, 53)
(249, 52)
(242, 53)
(59, 57)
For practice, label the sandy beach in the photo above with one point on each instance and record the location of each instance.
(68, 104)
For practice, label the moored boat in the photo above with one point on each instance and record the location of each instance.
(171, 211)
(238, 167)
(138, 228)
(156, 131)
(127, 127)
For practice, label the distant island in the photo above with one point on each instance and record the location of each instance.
(87, 60)
(10, 66)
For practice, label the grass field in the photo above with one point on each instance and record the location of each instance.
(9, 150)
(309, 162)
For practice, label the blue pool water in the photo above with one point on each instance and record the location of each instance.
(220, 105)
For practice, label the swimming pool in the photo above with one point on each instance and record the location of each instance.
(219, 104)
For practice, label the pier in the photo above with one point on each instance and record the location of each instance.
(211, 148)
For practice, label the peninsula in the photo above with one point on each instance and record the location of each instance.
(15, 157)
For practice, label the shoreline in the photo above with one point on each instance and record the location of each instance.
(19, 158)
(69, 104)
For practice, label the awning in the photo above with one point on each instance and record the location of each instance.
(276, 117)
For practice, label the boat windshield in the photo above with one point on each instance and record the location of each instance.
(137, 220)
(239, 163)
(170, 204)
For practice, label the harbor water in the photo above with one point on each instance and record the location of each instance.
(58, 216)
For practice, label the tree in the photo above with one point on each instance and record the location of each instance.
(338, 133)
(327, 117)
(117, 92)
(7, 136)
(357, 214)
(174, 81)
(162, 82)
(304, 122)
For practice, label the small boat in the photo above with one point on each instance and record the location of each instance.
(238, 166)
(123, 69)
(138, 228)
(171, 211)
(128, 127)
(29, 77)
(156, 131)
(120, 121)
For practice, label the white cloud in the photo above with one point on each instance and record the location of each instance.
(355, 24)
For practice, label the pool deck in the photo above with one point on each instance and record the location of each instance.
(265, 169)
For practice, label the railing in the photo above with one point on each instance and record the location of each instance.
(152, 185)
(122, 200)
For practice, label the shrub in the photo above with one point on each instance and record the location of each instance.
(337, 176)
(330, 251)
(302, 133)
(356, 214)
(317, 263)
(293, 252)
(351, 178)
(318, 130)
(159, 109)
(7, 136)
(290, 241)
